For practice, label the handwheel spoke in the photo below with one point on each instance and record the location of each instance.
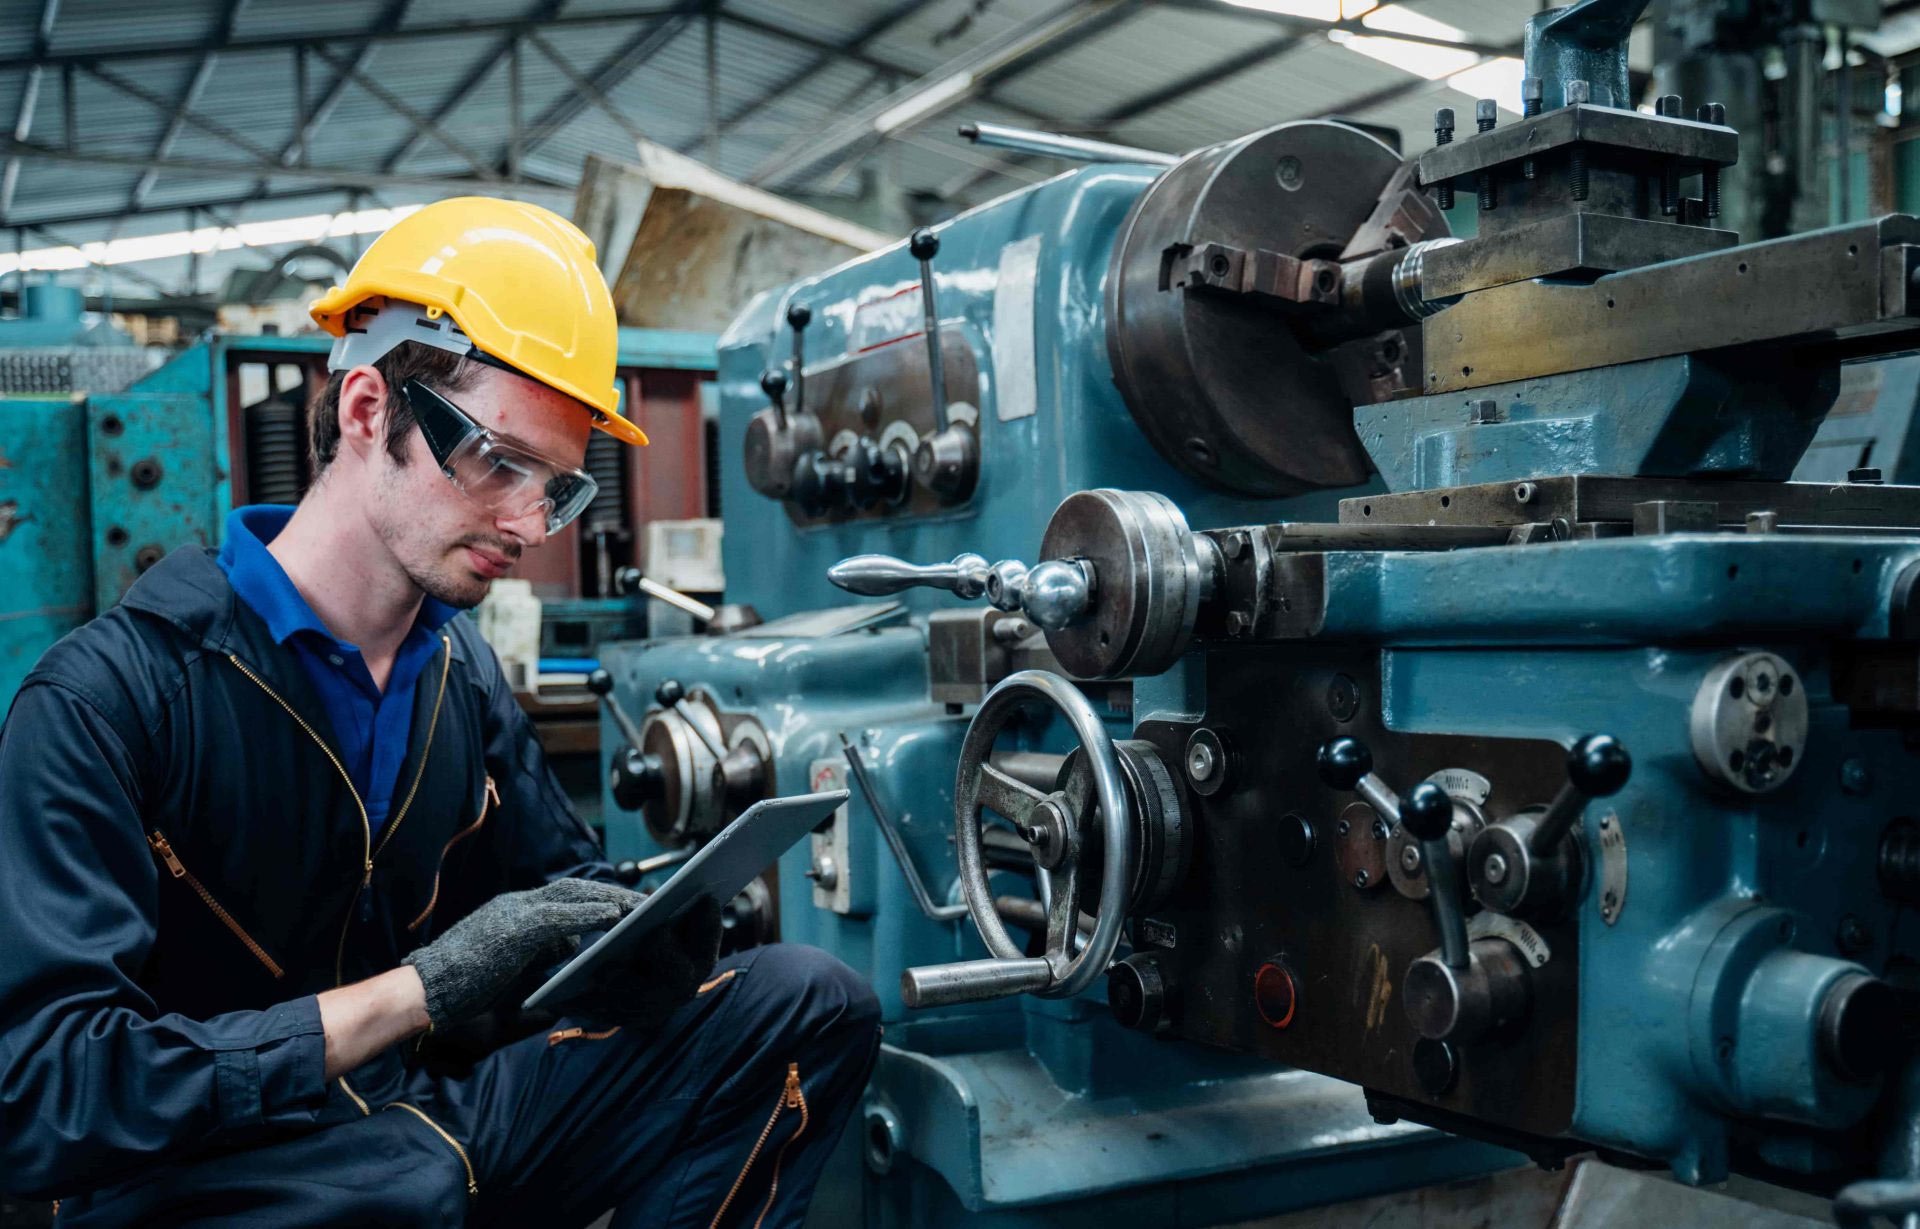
(1063, 910)
(1011, 798)
(1077, 790)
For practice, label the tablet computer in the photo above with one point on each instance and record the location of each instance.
(722, 868)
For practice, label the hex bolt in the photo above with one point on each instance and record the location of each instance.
(1532, 97)
(1361, 878)
(1577, 93)
(1486, 113)
(1443, 135)
(1711, 113)
(1494, 868)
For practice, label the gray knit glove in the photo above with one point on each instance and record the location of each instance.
(471, 965)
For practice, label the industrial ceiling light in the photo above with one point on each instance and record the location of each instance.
(310, 228)
(1311, 10)
(927, 101)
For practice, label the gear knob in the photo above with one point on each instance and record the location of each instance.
(1427, 812)
(1598, 766)
(669, 693)
(923, 244)
(1343, 762)
(600, 682)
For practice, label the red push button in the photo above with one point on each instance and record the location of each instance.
(1274, 995)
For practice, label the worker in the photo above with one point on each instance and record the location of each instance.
(277, 815)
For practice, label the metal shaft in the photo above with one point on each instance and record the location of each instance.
(930, 321)
(973, 981)
(1056, 145)
(895, 842)
(1448, 917)
(673, 597)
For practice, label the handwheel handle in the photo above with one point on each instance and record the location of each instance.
(1071, 967)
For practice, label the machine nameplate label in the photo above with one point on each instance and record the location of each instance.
(1016, 391)
(1613, 868)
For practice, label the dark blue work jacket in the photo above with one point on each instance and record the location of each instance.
(184, 865)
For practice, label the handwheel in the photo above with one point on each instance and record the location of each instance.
(1053, 824)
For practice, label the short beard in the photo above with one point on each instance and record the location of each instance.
(462, 592)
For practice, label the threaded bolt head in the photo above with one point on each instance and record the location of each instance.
(1443, 124)
(1533, 93)
(1578, 92)
(1486, 113)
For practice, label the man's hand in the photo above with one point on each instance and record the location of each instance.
(465, 969)
(641, 994)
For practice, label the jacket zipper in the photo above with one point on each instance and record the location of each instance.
(164, 848)
(473, 1187)
(493, 799)
(366, 825)
(790, 1098)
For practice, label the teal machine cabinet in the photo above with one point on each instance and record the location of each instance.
(1423, 678)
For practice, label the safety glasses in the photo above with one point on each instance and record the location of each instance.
(507, 480)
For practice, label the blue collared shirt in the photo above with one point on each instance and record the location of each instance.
(370, 727)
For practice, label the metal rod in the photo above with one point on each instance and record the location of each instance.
(973, 981)
(1058, 145)
(898, 844)
(673, 597)
(1448, 917)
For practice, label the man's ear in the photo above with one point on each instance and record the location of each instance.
(363, 411)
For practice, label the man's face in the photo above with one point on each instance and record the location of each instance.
(450, 546)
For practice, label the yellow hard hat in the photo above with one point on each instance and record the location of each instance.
(521, 282)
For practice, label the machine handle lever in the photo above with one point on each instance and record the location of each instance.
(923, 245)
(1597, 767)
(600, 683)
(879, 575)
(1427, 814)
(973, 981)
(799, 315)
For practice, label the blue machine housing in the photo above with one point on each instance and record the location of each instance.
(1017, 1112)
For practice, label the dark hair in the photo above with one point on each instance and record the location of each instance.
(410, 360)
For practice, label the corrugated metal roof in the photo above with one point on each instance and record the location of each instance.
(781, 82)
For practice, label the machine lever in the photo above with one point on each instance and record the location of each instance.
(670, 694)
(923, 246)
(973, 981)
(799, 316)
(773, 382)
(898, 844)
(637, 777)
(600, 683)
(1597, 767)
(1427, 812)
(879, 575)
(1346, 764)
(631, 580)
(1051, 594)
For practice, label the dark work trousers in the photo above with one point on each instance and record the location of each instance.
(737, 1103)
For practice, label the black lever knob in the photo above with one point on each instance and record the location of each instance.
(773, 382)
(799, 316)
(1427, 812)
(637, 779)
(923, 244)
(600, 683)
(1343, 762)
(669, 693)
(1598, 766)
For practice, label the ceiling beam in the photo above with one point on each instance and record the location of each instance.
(593, 92)
(211, 127)
(1350, 25)
(287, 42)
(543, 12)
(605, 77)
(1024, 46)
(856, 42)
(29, 99)
(342, 177)
(183, 102)
(316, 116)
(421, 122)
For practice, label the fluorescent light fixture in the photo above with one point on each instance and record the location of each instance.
(311, 228)
(1396, 20)
(1312, 10)
(1498, 79)
(923, 104)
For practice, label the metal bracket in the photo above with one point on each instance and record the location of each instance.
(1255, 272)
